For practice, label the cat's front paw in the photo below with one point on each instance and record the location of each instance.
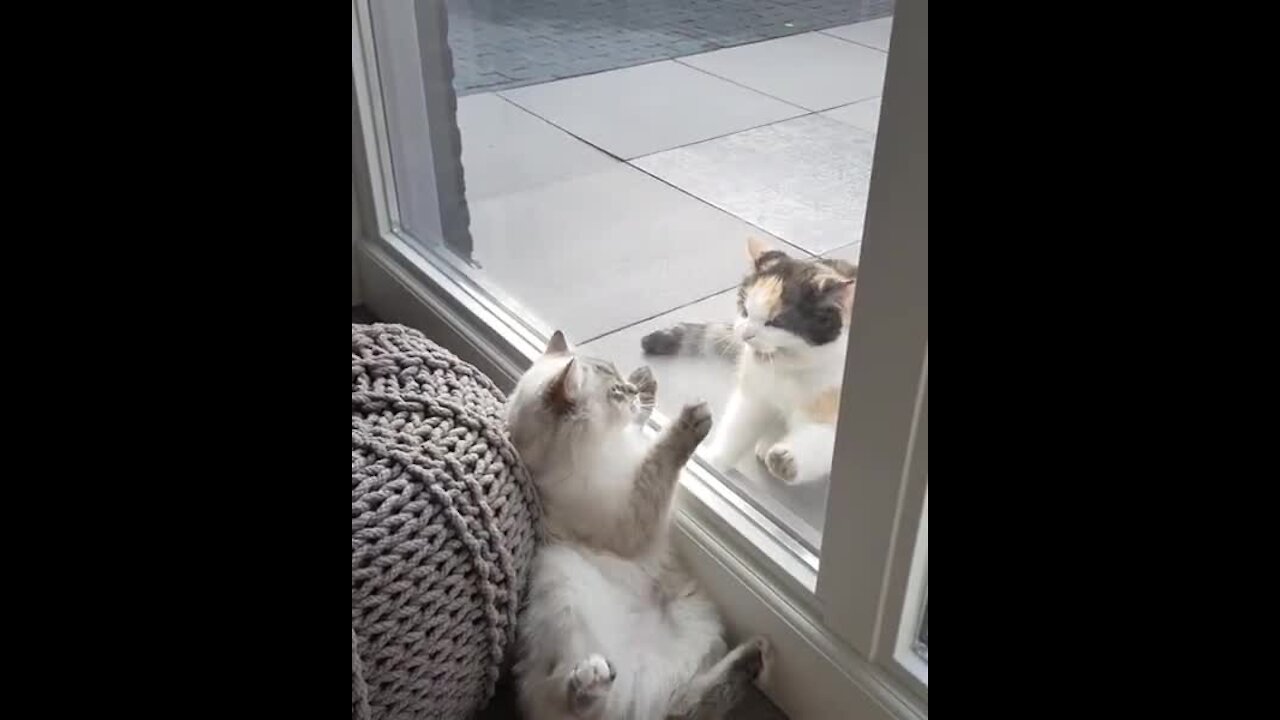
(696, 421)
(662, 342)
(781, 462)
(644, 381)
(591, 678)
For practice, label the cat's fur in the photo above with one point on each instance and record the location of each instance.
(613, 628)
(789, 342)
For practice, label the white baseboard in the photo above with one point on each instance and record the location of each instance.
(813, 674)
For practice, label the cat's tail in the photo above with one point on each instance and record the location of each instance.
(714, 692)
(693, 339)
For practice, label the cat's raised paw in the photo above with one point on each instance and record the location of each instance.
(591, 677)
(644, 381)
(662, 342)
(781, 462)
(696, 419)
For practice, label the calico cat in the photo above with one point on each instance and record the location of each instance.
(789, 343)
(613, 628)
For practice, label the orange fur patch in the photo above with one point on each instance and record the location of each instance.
(768, 294)
(825, 407)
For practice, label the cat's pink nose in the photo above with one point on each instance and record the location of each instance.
(748, 333)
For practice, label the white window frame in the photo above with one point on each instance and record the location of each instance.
(901, 652)
(838, 626)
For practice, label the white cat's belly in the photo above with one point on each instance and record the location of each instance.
(785, 387)
(582, 602)
(769, 404)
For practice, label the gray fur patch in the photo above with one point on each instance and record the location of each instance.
(694, 340)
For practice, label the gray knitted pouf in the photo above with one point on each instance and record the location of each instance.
(443, 525)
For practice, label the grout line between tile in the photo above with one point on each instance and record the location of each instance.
(710, 204)
(828, 33)
(853, 42)
(827, 254)
(585, 74)
(808, 113)
(580, 139)
(655, 316)
(677, 188)
(629, 161)
(735, 82)
(805, 114)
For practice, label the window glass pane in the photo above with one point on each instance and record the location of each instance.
(616, 158)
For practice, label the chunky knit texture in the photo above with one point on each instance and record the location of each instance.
(443, 526)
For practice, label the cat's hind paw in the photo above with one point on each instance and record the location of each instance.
(781, 462)
(757, 658)
(590, 680)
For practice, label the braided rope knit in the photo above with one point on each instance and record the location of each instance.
(444, 519)
(359, 690)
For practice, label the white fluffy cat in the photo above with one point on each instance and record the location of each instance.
(613, 628)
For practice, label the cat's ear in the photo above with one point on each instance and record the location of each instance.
(563, 388)
(831, 282)
(761, 255)
(558, 345)
(837, 287)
